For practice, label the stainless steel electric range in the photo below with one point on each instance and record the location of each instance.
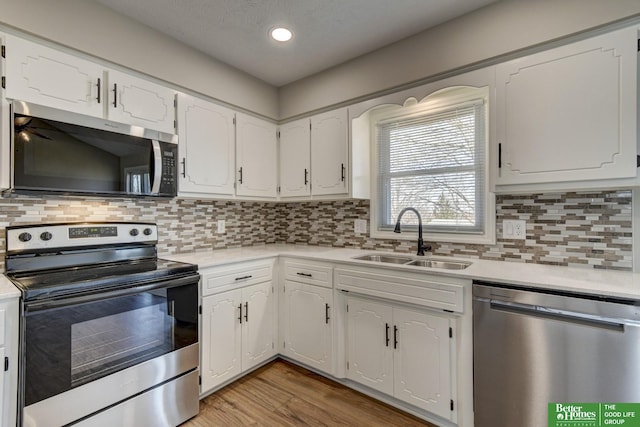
(108, 332)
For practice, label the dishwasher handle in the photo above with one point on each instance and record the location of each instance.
(562, 316)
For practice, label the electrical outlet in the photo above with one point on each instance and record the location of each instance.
(514, 229)
(360, 226)
(220, 229)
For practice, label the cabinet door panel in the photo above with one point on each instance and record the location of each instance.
(422, 362)
(330, 152)
(369, 354)
(206, 136)
(52, 78)
(308, 337)
(295, 159)
(567, 114)
(221, 339)
(258, 332)
(140, 102)
(256, 149)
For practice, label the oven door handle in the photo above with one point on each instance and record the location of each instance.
(37, 306)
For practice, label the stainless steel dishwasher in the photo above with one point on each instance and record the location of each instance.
(533, 347)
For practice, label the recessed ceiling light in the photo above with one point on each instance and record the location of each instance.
(281, 34)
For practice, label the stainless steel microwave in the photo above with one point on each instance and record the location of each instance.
(60, 152)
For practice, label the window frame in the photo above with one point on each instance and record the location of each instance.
(439, 101)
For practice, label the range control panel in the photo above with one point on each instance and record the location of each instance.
(54, 236)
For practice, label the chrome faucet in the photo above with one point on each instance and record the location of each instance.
(421, 246)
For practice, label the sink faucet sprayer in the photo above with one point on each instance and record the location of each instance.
(421, 245)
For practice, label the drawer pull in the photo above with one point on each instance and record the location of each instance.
(305, 274)
(244, 277)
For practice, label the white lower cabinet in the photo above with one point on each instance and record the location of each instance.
(307, 325)
(307, 314)
(9, 314)
(238, 330)
(403, 352)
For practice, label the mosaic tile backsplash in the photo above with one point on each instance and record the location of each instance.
(578, 229)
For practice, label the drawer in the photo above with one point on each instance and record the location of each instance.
(433, 291)
(227, 277)
(309, 272)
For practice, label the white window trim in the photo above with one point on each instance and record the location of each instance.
(433, 103)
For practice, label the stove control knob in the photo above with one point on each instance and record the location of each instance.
(24, 237)
(134, 232)
(45, 236)
(147, 232)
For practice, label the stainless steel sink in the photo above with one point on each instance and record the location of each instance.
(430, 263)
(446, 265)
(385, 258)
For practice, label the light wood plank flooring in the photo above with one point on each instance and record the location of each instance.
(283, 394)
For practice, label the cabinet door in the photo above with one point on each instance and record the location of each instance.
(206, 134)
(5, 135)
(422, 361)
(139, 102)
(221, 338)
(370, 344)
(295, 159)
(256, 151)
(330, 153)
(568, 114)
(307, 325)
(52, 78)
(258, 332)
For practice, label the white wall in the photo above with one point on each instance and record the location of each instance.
(493, 31)
(98, 31)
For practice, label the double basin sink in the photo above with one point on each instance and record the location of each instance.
(429, 263)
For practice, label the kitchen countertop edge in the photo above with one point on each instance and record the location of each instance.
(602, 282)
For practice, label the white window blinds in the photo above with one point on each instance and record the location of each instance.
(434, 162)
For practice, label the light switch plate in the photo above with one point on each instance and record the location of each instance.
(360, 226)
(220, 229)
(514, 229)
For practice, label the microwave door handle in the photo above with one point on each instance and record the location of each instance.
(157, 167)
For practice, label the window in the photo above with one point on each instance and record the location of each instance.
(432, 156)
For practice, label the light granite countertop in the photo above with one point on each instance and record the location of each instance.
(609, 283)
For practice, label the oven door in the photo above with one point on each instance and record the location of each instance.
(73, 347)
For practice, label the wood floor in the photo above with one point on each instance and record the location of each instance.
(283, 394)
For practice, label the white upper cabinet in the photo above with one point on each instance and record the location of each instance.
(140, 102)
(257, 158)
(330, 153)
(206, 132)
(41, 75)
(569, 113)
(295, 159)
(48, 77)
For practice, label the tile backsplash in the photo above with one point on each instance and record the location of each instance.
(588, 229)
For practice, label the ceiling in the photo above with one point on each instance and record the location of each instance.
(326, 32)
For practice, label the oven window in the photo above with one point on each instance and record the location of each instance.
(73, 345)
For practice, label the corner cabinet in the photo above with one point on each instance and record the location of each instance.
(206, 132)
(569, 113)
(330, 153)
(238, 321)
(52, 78)
(256, 157)
(306, 315)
